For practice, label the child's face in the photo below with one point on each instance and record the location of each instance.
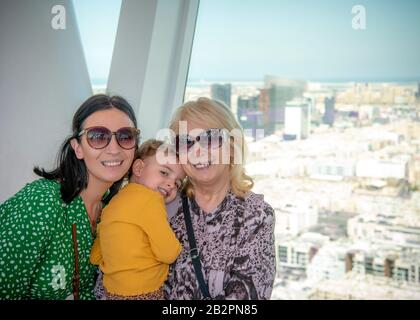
(165, 179)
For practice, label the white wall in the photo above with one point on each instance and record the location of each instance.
(293, 121)
(43, 80)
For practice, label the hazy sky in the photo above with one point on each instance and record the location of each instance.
(307, 39)
(98, 21)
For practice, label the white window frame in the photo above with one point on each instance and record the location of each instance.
(151, 58)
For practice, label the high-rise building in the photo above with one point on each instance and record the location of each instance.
(297, 119)
(222, 92)
(249, 116)
(329, 111)
(247, 102)
(280, 91)
(264, 105)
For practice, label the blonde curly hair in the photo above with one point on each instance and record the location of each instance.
(217, 115)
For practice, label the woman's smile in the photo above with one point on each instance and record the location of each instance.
(112, 163)
(202, 165)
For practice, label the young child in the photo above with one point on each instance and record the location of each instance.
(135, 244)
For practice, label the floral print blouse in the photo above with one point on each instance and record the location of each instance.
(236, 248)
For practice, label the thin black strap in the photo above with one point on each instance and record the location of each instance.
(195, 255)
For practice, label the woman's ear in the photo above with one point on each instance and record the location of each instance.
(137, 167)
(77, 148)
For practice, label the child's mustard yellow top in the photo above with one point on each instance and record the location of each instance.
(134, 244)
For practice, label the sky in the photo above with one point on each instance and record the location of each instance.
(98, 22)
(302, 39)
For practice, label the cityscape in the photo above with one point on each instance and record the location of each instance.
(340, 165)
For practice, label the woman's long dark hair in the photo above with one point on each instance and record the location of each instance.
(70, 171)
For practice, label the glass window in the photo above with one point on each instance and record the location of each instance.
(330, 91)
(97, 21)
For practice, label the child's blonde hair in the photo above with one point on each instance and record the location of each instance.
(147, 149)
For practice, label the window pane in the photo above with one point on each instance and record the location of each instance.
(329, 96)
(98, 21)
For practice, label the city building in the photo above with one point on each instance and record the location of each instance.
(294, 219)
(406, 267)
(373, 168)
(374, 260)
(330, 169)
(328, 263)
(297, 122)
(363, 287)
(222, 92)
(329, 112)
(381, 229)
(264, 105)
(294, 256)
(250, 118)
(280, 91)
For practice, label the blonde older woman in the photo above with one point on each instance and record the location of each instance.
(228, 253)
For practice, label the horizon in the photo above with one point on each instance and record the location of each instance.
(195, 82)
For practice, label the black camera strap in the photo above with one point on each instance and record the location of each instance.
(195, 255)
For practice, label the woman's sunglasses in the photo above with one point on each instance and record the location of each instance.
(209, 139)
(100, 137)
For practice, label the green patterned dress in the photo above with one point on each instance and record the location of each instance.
(36, 247)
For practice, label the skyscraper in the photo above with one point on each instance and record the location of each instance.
(248, 114)
(280, 91)
(329, 111)
(264, 105)
(297, 119)
(247, 103)
(222, 92)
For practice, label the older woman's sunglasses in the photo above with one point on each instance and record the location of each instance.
(100, 137)
(209, 139)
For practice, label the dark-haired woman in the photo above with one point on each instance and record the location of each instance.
(47, 228)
